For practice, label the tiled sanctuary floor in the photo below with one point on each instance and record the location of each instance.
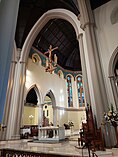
(67, 147)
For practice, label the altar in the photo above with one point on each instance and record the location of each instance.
(51, 134)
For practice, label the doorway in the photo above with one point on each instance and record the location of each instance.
(30, 114)
(47, 111)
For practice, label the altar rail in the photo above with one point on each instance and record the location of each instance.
(51, 133)
(20, 153)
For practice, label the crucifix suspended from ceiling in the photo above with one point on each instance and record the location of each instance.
(50, 64)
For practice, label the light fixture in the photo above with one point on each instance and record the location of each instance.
(50, 64)
(31, 119)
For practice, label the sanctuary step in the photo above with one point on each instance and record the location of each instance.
(98, 153)
(65, 148)
(114, 151)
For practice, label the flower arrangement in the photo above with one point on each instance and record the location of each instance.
(71, 124)
(111, 116)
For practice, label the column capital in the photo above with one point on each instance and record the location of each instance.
(22, 62)
(115, 78)
(54, 107)
(13, 61)
(80, 35)
(111, 77)
(87, 24)
(41, 105)
(86, 14)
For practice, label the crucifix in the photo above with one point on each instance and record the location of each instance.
(50, 50)
(49, 66)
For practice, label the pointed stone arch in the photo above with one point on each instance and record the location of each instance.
(19, 98)
(50, 93)
(37, 92)
(51, 14)
(112, 63)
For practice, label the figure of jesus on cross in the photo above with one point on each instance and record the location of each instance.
(49, 65)
(50, 50)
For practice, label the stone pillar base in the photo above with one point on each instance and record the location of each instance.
(15, 137)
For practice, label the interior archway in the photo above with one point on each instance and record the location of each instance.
(113, 75)
(56, 13)
(51, 14)
(48, 109)
(31, 113)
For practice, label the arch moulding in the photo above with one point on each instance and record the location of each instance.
(37, 91)
(52, 97)
(112, 62)
(51, 14)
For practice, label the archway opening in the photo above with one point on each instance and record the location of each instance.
(68, 60)
(47, 111)
(113, 75)
(32, 98)
(30, 114)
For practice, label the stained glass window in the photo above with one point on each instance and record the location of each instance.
(69, 90)
(80, 91)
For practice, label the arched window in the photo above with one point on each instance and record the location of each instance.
(80, 91)
(69, 90)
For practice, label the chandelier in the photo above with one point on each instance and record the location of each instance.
(50, 64)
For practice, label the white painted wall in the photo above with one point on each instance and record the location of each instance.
(45, 81)
(75, 116)
(35, 74)
(28, 111)
(107, 39)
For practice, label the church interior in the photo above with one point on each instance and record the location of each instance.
(59, 78)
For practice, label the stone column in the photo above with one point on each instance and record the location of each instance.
(98, 96)
(9, 92)
(84, 70)
(114, 89)
(17, 102)
(40, 118)
(8, 19)
(55, 116)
